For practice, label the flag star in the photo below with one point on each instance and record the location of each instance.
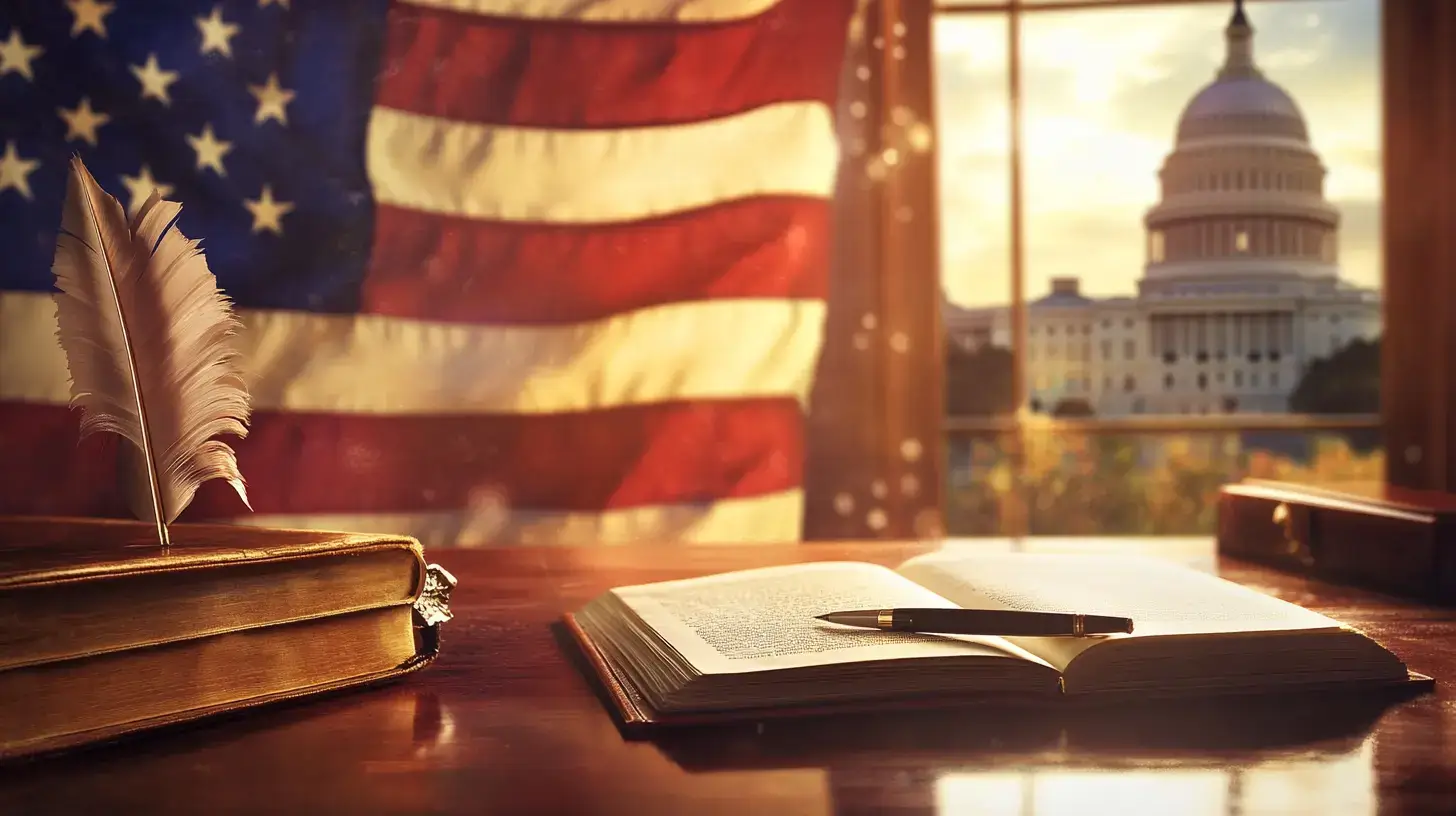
(210, 150)
(272, 100)
(141, 186)
(216, 34)
(268, 213)
(15, 56)
(82, 121)
(15, 171)
(154, 80)
(89, 15)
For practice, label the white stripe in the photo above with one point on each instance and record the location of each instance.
(368, 364)
(598, 176)
(773, 518)
(608, 11)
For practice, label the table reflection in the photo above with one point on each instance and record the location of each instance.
(1313, 783)
(354, 753)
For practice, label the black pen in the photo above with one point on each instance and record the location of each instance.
(982, 622)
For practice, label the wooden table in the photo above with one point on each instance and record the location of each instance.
(504, 724)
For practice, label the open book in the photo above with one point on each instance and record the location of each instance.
(749, 641)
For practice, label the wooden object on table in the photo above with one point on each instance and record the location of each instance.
(502, 722)
(1373, 535)
(103, 632)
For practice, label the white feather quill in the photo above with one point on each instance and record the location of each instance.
(148, 339)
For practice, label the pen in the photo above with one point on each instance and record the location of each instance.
(981, 622)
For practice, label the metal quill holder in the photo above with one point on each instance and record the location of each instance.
(432, 608)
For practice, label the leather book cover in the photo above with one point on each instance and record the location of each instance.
(426, 653)
(1389, 539)
(88, 558)
(37, 550)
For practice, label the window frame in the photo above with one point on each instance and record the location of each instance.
(1023, 423)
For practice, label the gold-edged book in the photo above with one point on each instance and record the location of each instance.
(104, 633)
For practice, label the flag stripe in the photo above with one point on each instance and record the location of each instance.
(641, 76)
(319, 463)
(609, 11)
(773, 518)
(432, 267)
(594, 176)
(367, 364)
(510, 271)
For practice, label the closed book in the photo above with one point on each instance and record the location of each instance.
(1390, 539)
(105, 633)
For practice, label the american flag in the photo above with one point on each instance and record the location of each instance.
(511, 270)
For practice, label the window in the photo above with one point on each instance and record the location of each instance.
(1110, 219)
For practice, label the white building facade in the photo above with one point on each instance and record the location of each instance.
(1241, 288)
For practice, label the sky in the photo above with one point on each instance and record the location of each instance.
(1103, 92)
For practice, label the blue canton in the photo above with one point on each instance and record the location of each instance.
(253, 114)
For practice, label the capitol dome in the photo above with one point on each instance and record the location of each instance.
(1241, 101)
(1242, 206)
(1241, 106)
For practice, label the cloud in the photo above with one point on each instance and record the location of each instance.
(1101, 248)
(1360, 241)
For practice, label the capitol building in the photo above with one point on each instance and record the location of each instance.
(1241, 287)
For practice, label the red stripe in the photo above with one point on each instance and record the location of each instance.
(434, 267)
(332, 463)
(567, 75)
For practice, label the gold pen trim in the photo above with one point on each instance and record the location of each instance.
(1079, 625)
(886, 619)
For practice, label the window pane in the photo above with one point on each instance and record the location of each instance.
(1202, 207)
(975, 229)
(1137, 484)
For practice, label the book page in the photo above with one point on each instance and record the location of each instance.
(763, 619)
(1161, 597)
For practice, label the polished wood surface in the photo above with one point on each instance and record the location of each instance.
(504, 723)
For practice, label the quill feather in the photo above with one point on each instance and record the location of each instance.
(148, 340)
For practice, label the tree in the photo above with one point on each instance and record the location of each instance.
(1346, 382)
(978, 383)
